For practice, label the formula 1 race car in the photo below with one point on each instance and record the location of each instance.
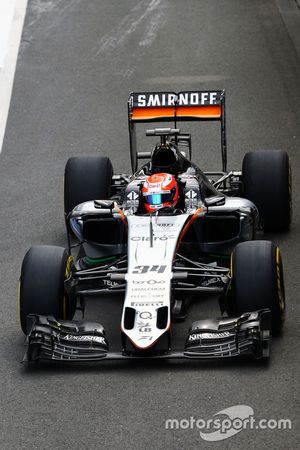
(163, 236)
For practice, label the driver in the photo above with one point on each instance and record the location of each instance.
(158, 191)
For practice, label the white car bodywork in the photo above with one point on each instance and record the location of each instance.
(152, 244)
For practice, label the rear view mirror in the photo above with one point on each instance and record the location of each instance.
(216, 200)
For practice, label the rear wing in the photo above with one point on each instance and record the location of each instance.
(146, 107)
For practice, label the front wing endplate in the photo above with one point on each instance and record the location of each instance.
(248, 334)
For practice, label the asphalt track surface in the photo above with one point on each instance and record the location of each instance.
(77, 63)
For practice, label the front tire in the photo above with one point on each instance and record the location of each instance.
(86, 178)
(41, 289)
(257, 281)
(267, 183)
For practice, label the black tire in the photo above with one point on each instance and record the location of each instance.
(41, 289)
(267, 183)
(257, 280)
(86, 178)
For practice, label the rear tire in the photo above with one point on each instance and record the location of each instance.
(86, 178)
(41, 289)
(267, 183)
(257, 280)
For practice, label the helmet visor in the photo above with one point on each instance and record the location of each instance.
(159, 199)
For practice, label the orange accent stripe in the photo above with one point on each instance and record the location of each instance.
(123, 218)
(187, 225)
(198, 112)
(208, 112)
(152, 113)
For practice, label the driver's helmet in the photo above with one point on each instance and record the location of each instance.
(159, 190)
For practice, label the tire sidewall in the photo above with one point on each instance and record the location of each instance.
(258, 284)
(42, 283)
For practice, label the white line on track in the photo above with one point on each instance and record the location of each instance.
(12, 14)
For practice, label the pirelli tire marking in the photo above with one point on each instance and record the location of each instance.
(290, 192)
(67, 273)
(279, 283)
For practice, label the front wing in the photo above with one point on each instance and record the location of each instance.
(247, 335)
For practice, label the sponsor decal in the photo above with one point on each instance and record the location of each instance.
(198, 336)
(132, 195)
(159, 99)
(155, 238)
(110, 283)
(146, 295)
(148, 281)
(144, 327)
(141, 304)
(169, 225)
(157, 224)
(191, 194)
(147, 288)
(85, 338)
(145, 315)
(148, 338)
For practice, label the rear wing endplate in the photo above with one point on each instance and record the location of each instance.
(146, 107)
